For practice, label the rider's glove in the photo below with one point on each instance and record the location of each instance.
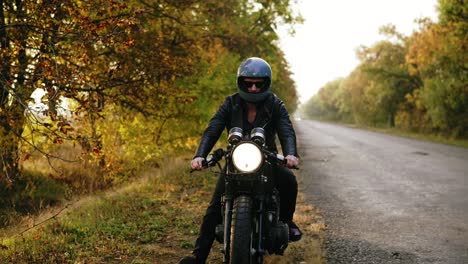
(197, 163)
(291, 161)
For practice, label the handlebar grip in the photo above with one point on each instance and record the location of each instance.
(280, 159)
(210, 161)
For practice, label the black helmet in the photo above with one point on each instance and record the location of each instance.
(254, 68)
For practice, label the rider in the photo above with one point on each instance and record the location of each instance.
(253, 106)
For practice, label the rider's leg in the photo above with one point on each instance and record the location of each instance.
(287, 187)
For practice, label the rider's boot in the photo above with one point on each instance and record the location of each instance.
(295, 233)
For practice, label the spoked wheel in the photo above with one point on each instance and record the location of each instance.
(241, 231)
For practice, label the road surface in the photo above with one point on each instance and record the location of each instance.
(385, 199)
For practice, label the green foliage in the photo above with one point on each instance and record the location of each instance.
(452, 11)
(384, 66)
(216, 79)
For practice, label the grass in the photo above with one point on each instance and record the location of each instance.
(437, 138)
(32, 192)
(153, 220)
(430, 137)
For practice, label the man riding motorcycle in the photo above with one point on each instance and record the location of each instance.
(253, 106)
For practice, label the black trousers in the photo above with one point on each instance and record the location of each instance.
(286, 184)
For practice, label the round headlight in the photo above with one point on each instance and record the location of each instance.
(247, 157)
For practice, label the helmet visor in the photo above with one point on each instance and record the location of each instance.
(247, 84)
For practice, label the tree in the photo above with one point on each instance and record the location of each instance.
(384, 64)
(438, 54)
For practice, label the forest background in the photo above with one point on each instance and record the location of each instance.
(416, 83)
(121, 86)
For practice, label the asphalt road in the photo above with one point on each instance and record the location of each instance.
(385, 199)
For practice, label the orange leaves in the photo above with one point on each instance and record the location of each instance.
(129, 43)
(26, 156)
(57, 140)
(97, 151)
(64, 127)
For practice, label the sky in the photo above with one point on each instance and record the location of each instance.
(324, 46)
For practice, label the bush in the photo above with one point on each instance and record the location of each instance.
(30, 193)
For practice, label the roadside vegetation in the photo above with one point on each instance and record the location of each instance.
(413, 84)
(154, 219)
(432, 137)
(437, 138)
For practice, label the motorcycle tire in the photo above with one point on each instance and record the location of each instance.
(241, 231)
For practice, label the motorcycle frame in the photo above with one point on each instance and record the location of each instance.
(258, 187)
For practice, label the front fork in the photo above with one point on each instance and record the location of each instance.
(259, 250)
(227, 229)
(228, 203)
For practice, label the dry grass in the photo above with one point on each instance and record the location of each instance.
(152, 220)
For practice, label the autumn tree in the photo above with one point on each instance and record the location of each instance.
(438, 54)
(43, 46)
(141, 58)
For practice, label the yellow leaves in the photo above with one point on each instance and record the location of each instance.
(39, 83)
(409, 98)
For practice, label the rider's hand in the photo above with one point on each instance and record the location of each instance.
(292, 161)
(197, 163)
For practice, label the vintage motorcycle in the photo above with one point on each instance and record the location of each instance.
(250, 204)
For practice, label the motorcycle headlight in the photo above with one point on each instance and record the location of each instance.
(247, 157)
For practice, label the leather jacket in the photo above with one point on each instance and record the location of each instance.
(271, 115)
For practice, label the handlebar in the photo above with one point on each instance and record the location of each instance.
(212, 159)
(218, 154)
(278, 158)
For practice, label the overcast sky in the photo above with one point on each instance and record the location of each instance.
(323, 48)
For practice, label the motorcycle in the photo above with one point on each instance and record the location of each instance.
(251, 202)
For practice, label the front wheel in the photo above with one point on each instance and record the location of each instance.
(241, 231)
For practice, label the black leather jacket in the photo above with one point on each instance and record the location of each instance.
(271, 115)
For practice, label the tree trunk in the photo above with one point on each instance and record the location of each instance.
(391, 119)
(11, 127)
(14, 91)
